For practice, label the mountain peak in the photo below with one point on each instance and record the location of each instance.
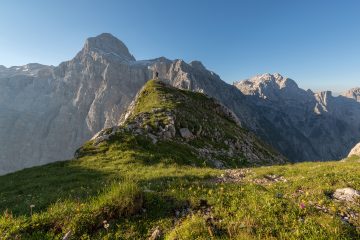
(266, 84)
(106, 43)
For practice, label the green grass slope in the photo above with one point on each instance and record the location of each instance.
(128, 187)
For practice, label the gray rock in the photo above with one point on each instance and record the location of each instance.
(355, 150)
(185, 133)
(346, 194)
(171, 129)
(217, 163)
(153, 138)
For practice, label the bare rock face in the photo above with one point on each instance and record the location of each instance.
(47, 112)
(306, 125)
(355, 150)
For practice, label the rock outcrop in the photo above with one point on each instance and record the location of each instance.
(355, 150)
(346, 194)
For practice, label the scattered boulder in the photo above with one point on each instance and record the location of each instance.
(185, 133)
(346, 194)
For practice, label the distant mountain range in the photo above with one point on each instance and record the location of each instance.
(47, 112)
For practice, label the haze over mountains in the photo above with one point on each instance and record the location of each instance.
(47, 112)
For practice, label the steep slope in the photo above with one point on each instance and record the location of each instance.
(309, 126)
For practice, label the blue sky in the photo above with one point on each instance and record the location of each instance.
(315, 42)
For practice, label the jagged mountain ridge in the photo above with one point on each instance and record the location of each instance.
(322, 126)
(47, 112)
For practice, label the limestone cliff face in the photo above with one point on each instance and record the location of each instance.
(46, 112)
(309, 126)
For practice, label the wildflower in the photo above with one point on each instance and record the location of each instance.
(302, 205)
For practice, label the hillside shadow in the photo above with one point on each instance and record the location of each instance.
(44, 185)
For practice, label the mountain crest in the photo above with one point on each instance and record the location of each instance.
(106, 43)
(268, 85)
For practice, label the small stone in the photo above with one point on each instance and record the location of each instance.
(167, 135)
(185, 133)
(172, 130)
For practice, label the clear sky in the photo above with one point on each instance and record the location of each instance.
(315, 42)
